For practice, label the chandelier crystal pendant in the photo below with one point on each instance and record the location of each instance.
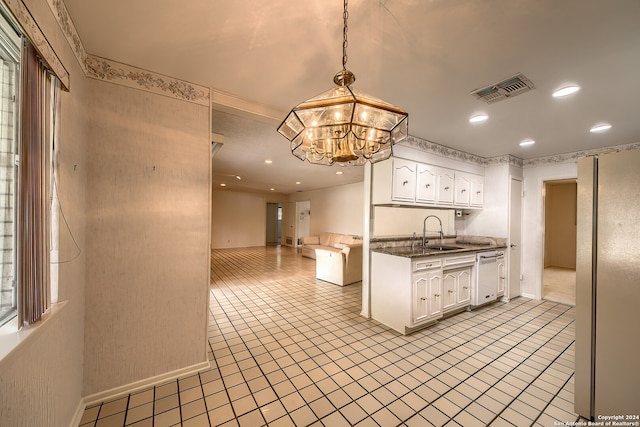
(344, 125)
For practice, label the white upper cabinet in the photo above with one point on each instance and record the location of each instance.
(446, 178)
(477, 191)
(404, 180)
(462, 189)
(411, 183)
(426, 183)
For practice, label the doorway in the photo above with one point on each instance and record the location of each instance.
(274, 224)
(559, 258)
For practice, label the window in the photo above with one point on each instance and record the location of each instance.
(28, 112)
(9, 77)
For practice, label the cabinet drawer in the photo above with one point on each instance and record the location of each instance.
(426, 264)
(459, 261)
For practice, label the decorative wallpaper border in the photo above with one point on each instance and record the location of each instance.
(37, 37)
(137, 78)
(122, 74)
(442, 150)
(505, 159)
(60, 12)
(450, 153)
(572, 157)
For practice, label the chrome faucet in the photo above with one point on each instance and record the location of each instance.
(424, 229)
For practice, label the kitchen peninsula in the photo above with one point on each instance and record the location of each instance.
(413, 285)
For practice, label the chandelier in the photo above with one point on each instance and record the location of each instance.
(344, 125)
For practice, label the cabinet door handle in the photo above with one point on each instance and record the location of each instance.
(427, 186)
(405, 183)
(446, 188)
(477, 192)
(463, 190)
(450, 291)
(423, 299)
(436, 295)
(465, 287)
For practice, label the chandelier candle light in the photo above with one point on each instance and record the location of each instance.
(344, 125)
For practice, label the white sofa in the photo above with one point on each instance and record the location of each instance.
(338, 257)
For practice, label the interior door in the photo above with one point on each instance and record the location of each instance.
(515, 237)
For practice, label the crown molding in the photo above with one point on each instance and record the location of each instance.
(450, 153)
(122, 74)
(574, 156)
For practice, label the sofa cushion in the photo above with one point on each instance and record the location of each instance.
(347, 239)
(311, 240)
(325, 238)
(334, 239)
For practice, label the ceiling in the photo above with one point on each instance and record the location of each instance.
(424, 56)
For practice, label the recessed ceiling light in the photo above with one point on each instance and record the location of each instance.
(479, 118)
(223, 185)
(526, 142)
(297, 182)
(339, 173)
(268, 162)
(238, 177)
(602, 127)
(273, 189)
(566, 91)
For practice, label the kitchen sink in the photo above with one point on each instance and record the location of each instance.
(442, 248)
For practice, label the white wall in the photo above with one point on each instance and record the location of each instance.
(148, 236)
(397, 221)
(533, 222)
(42, 386)
(493, 219)
(238, 220)
(335, 209)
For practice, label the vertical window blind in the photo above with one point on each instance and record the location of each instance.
(33, 231)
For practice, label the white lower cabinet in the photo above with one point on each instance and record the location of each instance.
(456, 288)
(427, 296)
(407, 294)
(464, 286)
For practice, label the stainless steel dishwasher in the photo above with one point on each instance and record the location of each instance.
(487, 277)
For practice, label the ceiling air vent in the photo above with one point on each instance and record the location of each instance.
(505, 89)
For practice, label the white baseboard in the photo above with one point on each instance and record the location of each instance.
(531, 296)
(133, 387)
(77, 417)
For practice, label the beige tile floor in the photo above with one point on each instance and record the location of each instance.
(559, 285)
(289, 350)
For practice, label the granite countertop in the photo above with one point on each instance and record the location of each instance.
(440, 248)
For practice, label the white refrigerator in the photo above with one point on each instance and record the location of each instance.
(607, 348)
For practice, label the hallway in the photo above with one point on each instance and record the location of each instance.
(287, 349)
(559, 285)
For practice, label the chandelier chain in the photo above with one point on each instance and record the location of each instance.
(345, 42)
